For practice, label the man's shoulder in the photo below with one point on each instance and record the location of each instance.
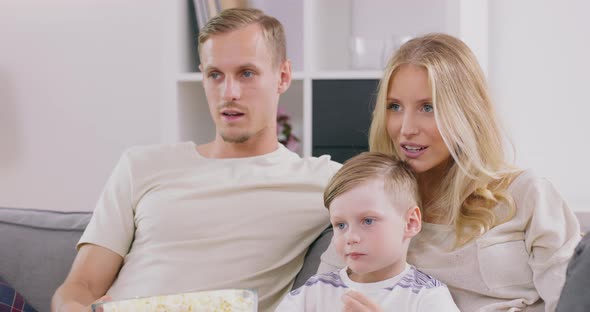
(159, 150)
(321, 164)
(158, 154)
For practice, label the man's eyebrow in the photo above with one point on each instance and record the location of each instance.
(209, 68)
(248, 65)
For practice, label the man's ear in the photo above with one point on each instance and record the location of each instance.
(413, 222)
(201, 67)
(286, 75)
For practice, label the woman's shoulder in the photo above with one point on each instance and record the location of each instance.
(533, 194)
(527, 183)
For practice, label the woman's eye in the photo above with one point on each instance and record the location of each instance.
(428, 108)
(394, 107)
(368, 221)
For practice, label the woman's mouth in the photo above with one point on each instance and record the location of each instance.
(413, 150)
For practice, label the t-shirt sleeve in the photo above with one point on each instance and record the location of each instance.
(437, 299)
(293, 301)
(112, 224)
(551, 236)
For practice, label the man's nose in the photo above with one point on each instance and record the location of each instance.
(231, 91)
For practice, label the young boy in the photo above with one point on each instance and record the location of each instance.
(373, 203)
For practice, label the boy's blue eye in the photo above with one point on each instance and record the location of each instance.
(341, 226)
(394, 107)
(428, 108)
(368, 221)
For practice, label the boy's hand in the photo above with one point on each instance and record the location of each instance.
(354, 301)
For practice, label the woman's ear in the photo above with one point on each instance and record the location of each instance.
(413, 222)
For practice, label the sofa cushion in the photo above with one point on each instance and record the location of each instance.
(38, 248)
(312, 258)
(11, 300)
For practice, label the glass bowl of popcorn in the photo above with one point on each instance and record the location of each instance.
(225, 300)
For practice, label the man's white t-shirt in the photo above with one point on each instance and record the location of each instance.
(411, 290)
(183, 222)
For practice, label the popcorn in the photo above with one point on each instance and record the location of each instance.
(227, 300)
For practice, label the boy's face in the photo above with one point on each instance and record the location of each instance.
(243, 85)
(371, 233)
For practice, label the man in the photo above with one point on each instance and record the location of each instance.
(237, 212)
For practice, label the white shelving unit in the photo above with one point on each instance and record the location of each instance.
(319, 34)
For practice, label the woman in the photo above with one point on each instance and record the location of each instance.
(498, 236)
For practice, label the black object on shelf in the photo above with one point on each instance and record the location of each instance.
(341, 116)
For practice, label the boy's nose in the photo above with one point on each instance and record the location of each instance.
(352, 237)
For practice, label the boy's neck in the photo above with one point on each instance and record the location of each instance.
(377, 276)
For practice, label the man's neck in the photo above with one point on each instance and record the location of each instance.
(220, 149)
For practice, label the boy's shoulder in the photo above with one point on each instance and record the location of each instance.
(331, 279)
(417, 281)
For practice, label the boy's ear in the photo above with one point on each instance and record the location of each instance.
(413, 222)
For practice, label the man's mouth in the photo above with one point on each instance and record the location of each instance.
(232, 114)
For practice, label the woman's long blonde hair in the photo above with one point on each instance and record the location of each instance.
(478, 175)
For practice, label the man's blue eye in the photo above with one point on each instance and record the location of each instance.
(428, 108)
(248, 74)
(214, 75)
(394, 107)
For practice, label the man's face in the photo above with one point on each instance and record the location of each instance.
(242, 85)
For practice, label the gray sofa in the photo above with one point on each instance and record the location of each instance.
(37, 249)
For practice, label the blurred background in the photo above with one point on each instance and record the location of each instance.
(82, 80)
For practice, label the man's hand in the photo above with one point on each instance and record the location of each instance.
(354, 301)
(77, 307)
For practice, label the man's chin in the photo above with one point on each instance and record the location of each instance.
(237, 139)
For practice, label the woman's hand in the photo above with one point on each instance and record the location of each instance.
(354, 301)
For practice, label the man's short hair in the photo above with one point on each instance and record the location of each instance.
(236, 18)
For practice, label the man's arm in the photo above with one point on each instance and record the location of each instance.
(93, 272)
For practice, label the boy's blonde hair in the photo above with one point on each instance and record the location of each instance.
(236, 18)
(398, 179)
(478, 175)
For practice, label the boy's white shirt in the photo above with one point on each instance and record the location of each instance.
(411, 290)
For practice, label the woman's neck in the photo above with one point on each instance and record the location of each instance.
(430, 188)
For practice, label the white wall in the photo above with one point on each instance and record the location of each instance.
(79, 82)
(539, 67)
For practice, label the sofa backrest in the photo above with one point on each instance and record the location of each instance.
(37, 249)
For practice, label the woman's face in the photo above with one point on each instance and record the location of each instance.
(410, 120)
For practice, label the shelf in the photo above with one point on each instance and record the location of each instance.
(336, 47)
(188, 77)
(347, 74)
